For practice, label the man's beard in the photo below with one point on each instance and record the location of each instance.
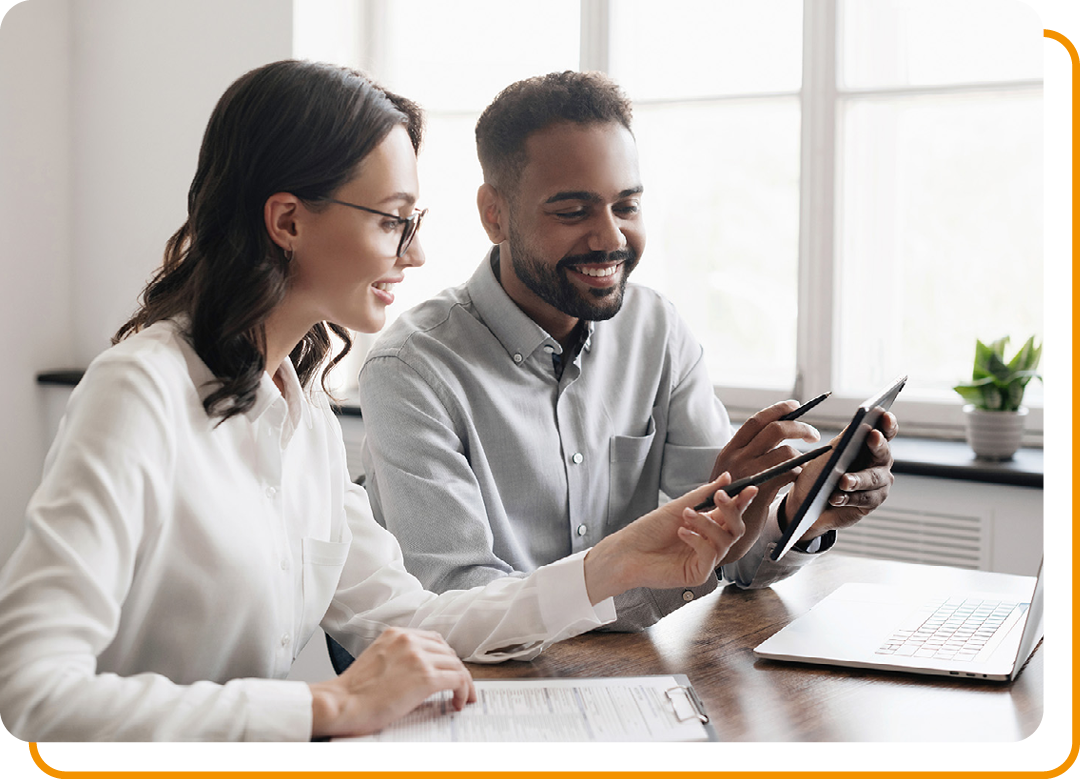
(553, 285)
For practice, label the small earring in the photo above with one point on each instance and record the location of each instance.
(289, 254)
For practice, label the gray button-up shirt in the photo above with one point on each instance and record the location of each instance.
(484, 461)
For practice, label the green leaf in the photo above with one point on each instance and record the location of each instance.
(970, 394)
(998, 369)
(1027, 359)
(996, 384)
(1013, 396)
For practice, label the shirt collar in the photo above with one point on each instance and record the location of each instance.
(294, 409)
(516, 330)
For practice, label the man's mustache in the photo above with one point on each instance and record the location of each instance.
(598, 258)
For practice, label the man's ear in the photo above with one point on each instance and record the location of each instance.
(494, 213)
(280, 215)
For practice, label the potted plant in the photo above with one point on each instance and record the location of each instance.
(994, 414)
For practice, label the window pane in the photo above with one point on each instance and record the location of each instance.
(692, 48)
(940, 235)
(457, 56)
(451, 236)
(889, 43)
(721, 205)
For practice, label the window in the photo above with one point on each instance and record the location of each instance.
(837, 191)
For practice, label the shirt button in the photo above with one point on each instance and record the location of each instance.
(549, 348)
(285, 640)
(284, 564)
(577, 458)
(687, 596)
(582, 530)
(517, 358)
(271, 492)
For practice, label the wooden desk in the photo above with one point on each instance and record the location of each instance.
(751, 699)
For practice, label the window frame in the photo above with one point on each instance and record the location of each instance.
(821, 102)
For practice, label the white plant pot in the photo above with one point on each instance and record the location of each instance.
(994, 435)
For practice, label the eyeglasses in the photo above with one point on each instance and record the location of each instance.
(410, 223)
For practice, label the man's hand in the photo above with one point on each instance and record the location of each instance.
(755, 447)
(858, 492)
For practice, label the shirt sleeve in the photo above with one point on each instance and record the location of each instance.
(756, 570)
(421, 486)
(63, 590)
(508, 618)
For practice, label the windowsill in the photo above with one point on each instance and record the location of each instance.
(955, 460)
(912, 455)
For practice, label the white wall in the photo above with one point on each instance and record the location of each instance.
(102, 108)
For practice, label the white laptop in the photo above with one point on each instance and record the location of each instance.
(979, 635)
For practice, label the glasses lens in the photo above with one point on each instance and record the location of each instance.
(412, 224)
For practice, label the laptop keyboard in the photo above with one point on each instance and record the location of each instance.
(957, 629)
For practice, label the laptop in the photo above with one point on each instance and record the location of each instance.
(969, 635)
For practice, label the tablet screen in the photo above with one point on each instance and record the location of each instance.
(851, 442)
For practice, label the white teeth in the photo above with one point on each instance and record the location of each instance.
(384, 286)
(598, 272)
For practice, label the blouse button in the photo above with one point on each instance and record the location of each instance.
(517, 358)
(577, 458)
(285, 640)
(582, 530)
(271, 492)
(284, 564)
(687, 596)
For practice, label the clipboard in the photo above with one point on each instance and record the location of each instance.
(843, 455)
(598, 709)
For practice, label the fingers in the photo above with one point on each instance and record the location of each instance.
(878, 474)
(704, 492)
(764, 430)
(722, 526)
(888, 425)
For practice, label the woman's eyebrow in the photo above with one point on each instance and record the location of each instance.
(406, 198)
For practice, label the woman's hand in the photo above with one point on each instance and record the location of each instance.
(673, 546)
(390, 678)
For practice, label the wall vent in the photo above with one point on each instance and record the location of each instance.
(919, 537)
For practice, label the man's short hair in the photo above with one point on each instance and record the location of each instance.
(534, 104)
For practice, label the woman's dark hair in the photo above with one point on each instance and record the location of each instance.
(291, 126)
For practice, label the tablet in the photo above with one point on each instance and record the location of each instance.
(843, 455)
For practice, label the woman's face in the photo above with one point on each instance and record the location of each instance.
(345, 263)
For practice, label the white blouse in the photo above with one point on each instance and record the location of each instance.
(172, 568)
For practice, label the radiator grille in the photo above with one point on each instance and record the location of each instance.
(918, 537)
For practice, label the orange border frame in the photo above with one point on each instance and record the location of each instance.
(1069, 761)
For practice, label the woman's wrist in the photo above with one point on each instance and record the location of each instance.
(325, 709)
(601, 571)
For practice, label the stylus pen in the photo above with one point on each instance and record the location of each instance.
(805, 406)
(769, 473)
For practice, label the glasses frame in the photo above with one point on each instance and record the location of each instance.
(411, 222)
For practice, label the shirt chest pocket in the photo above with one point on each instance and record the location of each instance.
(323, 561)
(634, 474)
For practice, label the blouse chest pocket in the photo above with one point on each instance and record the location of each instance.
(631, 472)
(323, 562)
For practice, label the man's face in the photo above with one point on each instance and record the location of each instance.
(576, 230)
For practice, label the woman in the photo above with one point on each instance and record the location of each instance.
(196, 523)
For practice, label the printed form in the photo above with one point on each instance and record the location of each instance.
(640, 708)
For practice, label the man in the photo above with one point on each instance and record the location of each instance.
(546, 403)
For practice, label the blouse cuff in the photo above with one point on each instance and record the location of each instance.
(564, 600)
(278, 710)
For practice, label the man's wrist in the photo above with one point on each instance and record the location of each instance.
(803, 544)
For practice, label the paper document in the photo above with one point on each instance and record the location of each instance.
(638, 708)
